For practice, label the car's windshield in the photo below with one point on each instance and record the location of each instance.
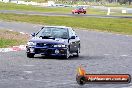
(53, 32)
(79, 8)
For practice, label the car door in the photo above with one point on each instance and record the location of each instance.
(80, 10)
(73, 41)
(77, 43)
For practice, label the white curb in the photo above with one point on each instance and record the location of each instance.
(14, 48)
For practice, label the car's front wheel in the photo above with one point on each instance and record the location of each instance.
(29, 55)
(67, 54)
(77, 52)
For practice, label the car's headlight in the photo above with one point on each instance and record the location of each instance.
(31, 43)
(60, 45)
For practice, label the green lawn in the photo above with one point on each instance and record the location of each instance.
(123, 26)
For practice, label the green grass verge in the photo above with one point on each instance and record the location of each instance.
(10, 38)
(7, 42)
(123, 26)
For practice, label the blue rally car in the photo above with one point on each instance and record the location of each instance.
(54, 41)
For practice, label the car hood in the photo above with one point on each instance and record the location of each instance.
(54, 41)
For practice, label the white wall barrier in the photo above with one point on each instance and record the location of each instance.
(108, 12)
(26, 3)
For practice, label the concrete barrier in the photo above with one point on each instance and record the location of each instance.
(124, 11)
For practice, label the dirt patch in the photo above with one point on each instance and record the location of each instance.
(13, 35)
(11, 38)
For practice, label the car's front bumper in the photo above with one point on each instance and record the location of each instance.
(47, 51)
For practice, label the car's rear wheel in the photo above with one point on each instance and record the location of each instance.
(29, 55)
(84, 12)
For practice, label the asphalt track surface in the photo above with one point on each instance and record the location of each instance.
(101, 53)
(60, 14)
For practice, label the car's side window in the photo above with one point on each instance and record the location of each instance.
(71, 32)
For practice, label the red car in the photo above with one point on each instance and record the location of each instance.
(79, 10)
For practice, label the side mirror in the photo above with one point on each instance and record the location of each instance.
(42, 27)
(33, 34)
(72, 37)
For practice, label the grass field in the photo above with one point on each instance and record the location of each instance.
(118, 5)
(9, 38)
(36, 0)
(41, 1)
(12, 6)
(123, 26)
